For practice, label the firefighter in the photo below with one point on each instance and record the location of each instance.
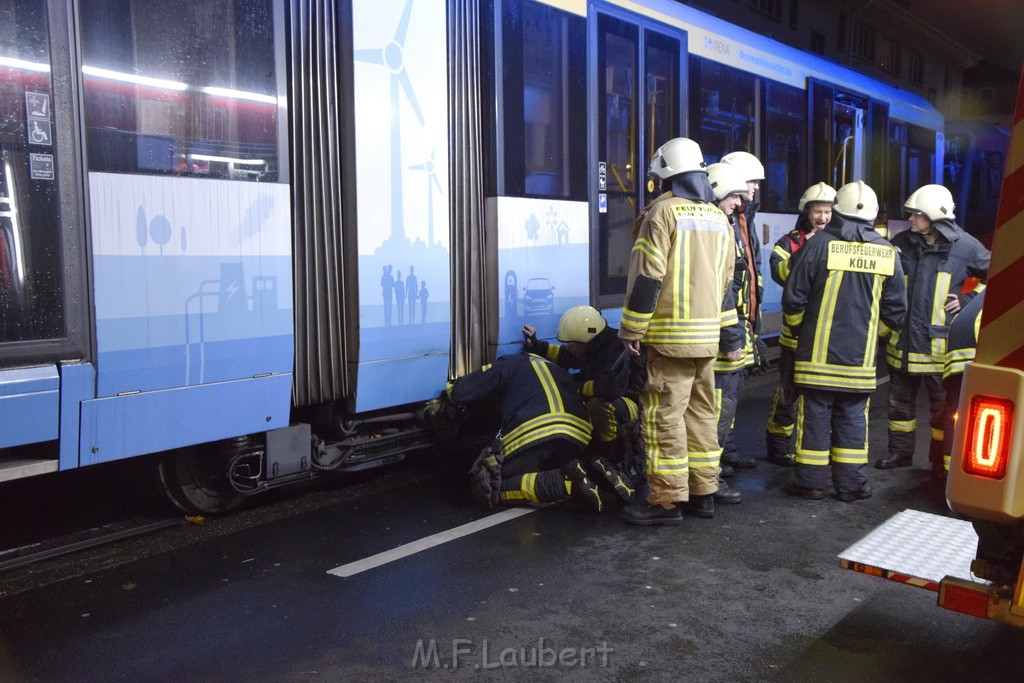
(736, 341)
(750, 288)
(963, 342)
(679, 269)
(815, 213)
(842, 286)
(544, 429)
(937, 257)
(592, 347)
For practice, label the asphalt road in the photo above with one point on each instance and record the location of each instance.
(755, 593)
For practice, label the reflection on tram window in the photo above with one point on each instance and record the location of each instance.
(725, 110)
(181, 88)
(544, 96)
(786, 155)
(31, 267)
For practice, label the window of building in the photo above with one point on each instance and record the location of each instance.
(771, 8)
(185, 89)
(817, 43)
(863, 42)
(915, 66)
(889, 55)
(841, 32)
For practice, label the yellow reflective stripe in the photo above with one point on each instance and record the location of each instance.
(650, 429)
(942, 282)
(632, 407)
(871, 345)
(611, 424)
(883, 329)
(826, 313)
(806, 457)
(552, 354)
(905, 426)
(921, 364)
(635, 322)
(783, 265)
(979, 288)
(644, 246)
(849, 456)
(794, 319)
(729, 318)
(937, 434)
(553, 429)
(831, 368)
(681, 290)
(835, 382)
(527, 490)
(588, 389)
(704, 459)
(543, 373)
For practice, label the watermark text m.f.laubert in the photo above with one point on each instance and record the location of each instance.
(483, 654)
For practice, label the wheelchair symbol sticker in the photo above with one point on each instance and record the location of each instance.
(39, 132)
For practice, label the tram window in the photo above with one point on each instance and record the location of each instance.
(543, 121)
(181, 88)
(31, 266)
(724, 110)
(786, 156)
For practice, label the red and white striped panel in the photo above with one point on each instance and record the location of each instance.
(1001, 338)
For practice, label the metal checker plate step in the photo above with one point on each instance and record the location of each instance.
(917, 548)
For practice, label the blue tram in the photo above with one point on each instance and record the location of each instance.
(258, 237)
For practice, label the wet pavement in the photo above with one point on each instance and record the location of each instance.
(756, 593)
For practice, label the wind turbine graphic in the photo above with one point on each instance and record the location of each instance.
(392, 56)
(432, 182)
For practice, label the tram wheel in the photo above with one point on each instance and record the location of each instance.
(195, 480)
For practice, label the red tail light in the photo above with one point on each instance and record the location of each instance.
(989, 429)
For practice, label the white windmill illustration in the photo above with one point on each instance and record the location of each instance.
(432, 182)
(392, 56)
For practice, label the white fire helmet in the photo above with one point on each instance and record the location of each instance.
(934, 201)
(819, 192)
(857, 200)
(678, 155)
(725, 180)
(749, 166)
(580, 324)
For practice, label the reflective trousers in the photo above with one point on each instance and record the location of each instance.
(782, 417)
(952, 384)
(533, 474)
(678, 422)
(728, 386)
(832, 428)
(903, 388)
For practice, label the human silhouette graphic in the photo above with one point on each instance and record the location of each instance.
(400, 296)
(387, 284)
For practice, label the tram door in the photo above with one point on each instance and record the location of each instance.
(638, 80)
(43, 302)
(839, 134)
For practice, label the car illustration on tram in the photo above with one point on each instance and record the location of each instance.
(258, 238)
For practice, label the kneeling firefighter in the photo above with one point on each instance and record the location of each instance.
(544, 428)
(610, 382)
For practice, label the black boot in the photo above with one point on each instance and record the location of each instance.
(736, 462)
(894, 461)
(725, 495)
(652, 515)
(700, 506)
